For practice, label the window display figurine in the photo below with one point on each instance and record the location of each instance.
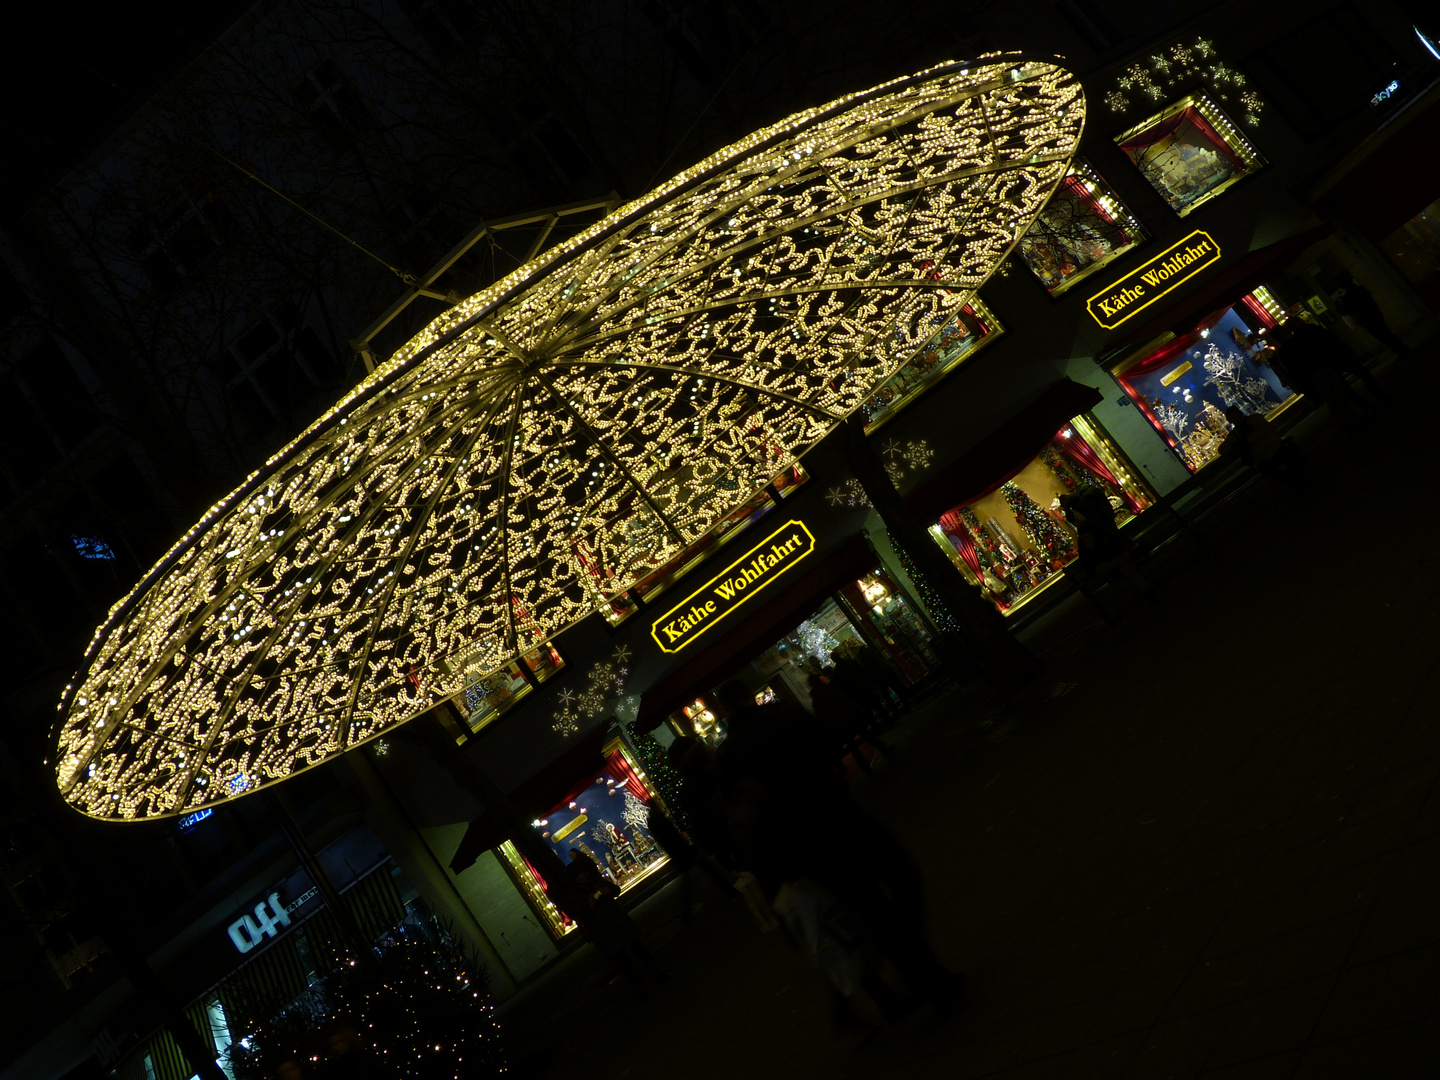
(994, 586)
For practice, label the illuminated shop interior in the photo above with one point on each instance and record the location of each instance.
(1184, 383)
(1013, 542)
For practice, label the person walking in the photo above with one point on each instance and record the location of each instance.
(1357, 303)
(1313, 362)
(1255, 442)
(609, 927)
(779, 769)
(845, 716)
(1100, 547)
(685, 857)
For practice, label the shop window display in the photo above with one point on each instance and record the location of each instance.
(1190, 153)
(942, 348)
(1083, 227)
(606, 818)
(1014, 540)
(488, 697)
(700, 721)
(890, 623)
(1185, 386)
(492, 695)
(873, 626)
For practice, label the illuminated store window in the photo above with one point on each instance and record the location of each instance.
(618, 608)
(1083, 227)
(1012, 541)
(868, 620)
(1190, 153)
(605, 819)
(489, 697)
(956, 341)
(1184, 385)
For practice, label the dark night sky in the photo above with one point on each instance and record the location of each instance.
(69, 78)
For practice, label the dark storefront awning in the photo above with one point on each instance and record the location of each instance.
(1004, 452)
(717, 661)
(1222, 291)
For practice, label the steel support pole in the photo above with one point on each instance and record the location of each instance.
(363, 949)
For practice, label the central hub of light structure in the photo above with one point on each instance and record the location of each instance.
(559, 435)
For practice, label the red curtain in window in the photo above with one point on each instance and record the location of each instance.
(620, 771)
(1258, 310)
(1082, 453)
(1160, 358)
(1152, 135)
(1073, 187)
(1171, 125)
(959, 535)
(570, 796)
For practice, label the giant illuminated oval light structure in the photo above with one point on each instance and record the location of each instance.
(559, 435)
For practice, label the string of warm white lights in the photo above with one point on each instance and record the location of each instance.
(561, 434)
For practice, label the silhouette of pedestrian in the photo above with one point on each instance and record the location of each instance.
(1314, 362)
(845, 716)
(1254, 441)
(786, 777)
(685, 857)
(609, 926)
(1100, 547)
(1358, 302)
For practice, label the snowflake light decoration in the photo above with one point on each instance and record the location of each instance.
(918, 454)
(565, 723)
(554, 438)
(1183, 63)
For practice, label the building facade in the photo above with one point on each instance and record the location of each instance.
(229, 261)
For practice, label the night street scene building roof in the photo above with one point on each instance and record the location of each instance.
(415, 412)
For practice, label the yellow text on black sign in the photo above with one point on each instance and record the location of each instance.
(1144, 285)
(733, 586)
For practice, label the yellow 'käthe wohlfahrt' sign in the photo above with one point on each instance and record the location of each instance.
(1141, 287)
(731, 587)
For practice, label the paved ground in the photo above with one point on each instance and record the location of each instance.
(1217, 854)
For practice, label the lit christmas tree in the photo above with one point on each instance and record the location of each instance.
(664, 780)
(939, 613)
(1042, 529)
(1073, 478)
(419, 1013)
(983, 541)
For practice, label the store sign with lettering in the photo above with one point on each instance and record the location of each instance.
(252, 928)
(726, 591)
(1386, 94)
(1144, 285)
